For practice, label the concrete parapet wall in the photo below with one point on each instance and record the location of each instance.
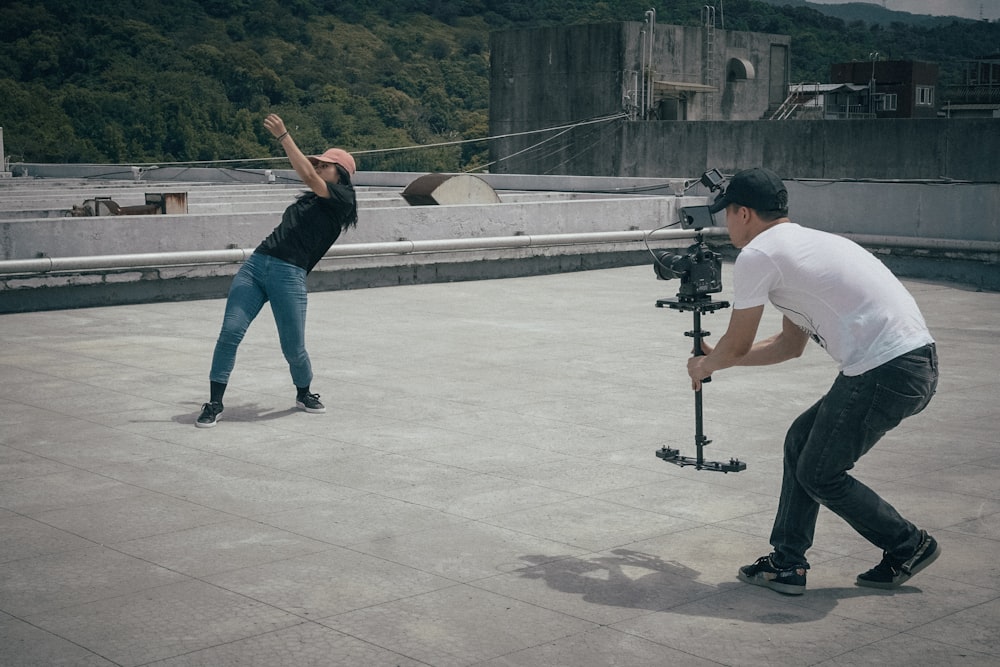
(967, 211)
(960, 219)
(960, 149)
(939, 210)
(117, 235)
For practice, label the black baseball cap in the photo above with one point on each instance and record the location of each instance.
(757, 188)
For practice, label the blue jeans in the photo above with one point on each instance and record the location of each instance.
(264, 278)
(825, 441)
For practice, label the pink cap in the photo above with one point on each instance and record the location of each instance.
(337, 156)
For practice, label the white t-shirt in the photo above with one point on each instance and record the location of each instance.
(835, 290)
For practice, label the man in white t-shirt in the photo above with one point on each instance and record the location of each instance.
(835, 292)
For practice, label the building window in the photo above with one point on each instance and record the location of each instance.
(925, 95)
(886, 102)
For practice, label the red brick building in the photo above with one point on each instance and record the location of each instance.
(897, 88)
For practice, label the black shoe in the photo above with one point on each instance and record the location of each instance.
(309, 403)
(209, 415)
(790, 580)
(893, 573)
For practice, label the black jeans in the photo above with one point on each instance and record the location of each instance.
(825, 441)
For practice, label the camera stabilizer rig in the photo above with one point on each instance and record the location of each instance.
(700, 272)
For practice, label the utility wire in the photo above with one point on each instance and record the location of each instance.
(565, 128)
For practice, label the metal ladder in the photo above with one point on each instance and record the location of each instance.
(711, 72)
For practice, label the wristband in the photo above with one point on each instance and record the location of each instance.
(282, 136)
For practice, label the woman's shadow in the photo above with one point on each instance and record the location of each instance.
(245, 412)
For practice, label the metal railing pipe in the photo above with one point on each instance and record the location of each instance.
(43, 265)
(918, 243)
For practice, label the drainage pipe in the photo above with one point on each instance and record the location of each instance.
(43, 265)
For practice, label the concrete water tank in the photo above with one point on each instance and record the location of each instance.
(443, 189)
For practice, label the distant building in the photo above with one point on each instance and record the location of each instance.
(545, 77)
(896, 88)
(867, 89)
(825, 101)
(979, 94)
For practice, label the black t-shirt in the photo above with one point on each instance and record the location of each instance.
(310, 226)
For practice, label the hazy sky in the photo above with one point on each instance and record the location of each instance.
(966, 8)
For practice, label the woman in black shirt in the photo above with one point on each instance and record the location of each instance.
(276, 272)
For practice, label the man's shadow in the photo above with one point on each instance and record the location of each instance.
(606, 580)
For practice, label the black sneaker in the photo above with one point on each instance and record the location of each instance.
(309, 403)
(893, 573)
(790, 580)
(209, 415)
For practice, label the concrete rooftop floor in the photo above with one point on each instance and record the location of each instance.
(482, 491)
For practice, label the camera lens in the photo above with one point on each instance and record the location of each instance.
(668, 265)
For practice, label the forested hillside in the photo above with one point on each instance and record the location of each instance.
(132, 81)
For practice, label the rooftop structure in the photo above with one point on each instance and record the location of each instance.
(483, 490)
(978, 96)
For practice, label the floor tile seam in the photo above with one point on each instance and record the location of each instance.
(586, 553)
(599, 458)
(477, 408)
(58, 552)
(53, 633)
(598, 497)
(966, 609)
(374, 605)
(119, 547)
(97, 473)
(318, 622)
(119, 596)
(874, 642)
(913, 481)
(62, 353)
(958, 534)
(718, 593)
(944, 488)
(550, 640)
(111, 545)
(965, 648)
(415, 455)
(296, 471)
(803, 603)
(300, 621)
(900, 448)
(767, 496)
(354, 546)
(472, 474)
(158, 492)
(525, 533)
(510, 477)
(357, 549)
(675, 472)
(477, 519)
(502, 441)
(474, 584)
(864, 558)
(236, 640)
(658, 642)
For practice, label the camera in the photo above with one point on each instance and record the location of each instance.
(699, 267)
